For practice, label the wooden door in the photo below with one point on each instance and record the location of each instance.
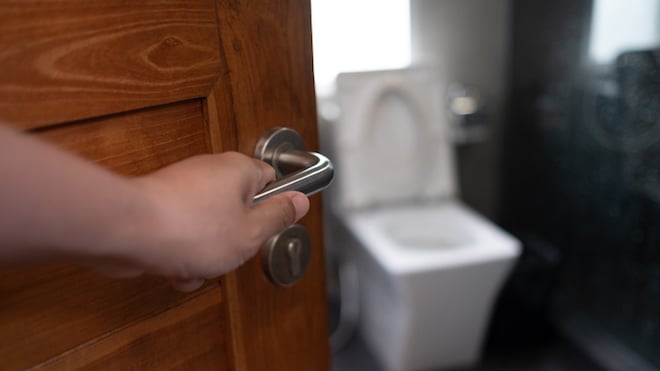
(134, 86)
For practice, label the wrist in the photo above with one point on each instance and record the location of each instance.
(150, 230)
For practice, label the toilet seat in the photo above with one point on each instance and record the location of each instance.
(428, 267)
(392, 144)
(453, 236)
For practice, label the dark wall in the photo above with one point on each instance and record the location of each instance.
(467, 41)
(582, 169)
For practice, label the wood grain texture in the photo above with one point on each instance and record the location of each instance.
(49, 310)
(64, 60)
(186, 337)
(138, 142)
(73, 59)
(267, 47)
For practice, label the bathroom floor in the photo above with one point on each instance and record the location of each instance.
(555, 355)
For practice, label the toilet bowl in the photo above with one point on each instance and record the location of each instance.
(429, 267)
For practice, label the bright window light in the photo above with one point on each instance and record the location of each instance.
(619, 26)
(356, 35)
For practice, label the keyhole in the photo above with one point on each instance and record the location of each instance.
(285, 257)
(293, 252)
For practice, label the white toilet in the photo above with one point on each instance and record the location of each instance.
(429, 268)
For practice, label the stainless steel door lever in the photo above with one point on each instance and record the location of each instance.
(296, 169)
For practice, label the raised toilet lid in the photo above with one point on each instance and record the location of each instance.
(391, 143)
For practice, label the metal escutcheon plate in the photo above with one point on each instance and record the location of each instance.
(276, 141)
(285, 257)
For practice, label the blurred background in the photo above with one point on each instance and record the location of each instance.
(556, 140)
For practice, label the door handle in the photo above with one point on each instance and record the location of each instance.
(295, 168)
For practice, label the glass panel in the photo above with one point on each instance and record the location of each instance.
(583, 157)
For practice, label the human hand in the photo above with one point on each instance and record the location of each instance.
(189, 221)
(202, 222)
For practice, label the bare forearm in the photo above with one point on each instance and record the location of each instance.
(191, 220)
(56, 205)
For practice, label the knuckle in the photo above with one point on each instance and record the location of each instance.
(286, 212)
(233, 154)
(291, 212)
(268, 171)
(237, 159)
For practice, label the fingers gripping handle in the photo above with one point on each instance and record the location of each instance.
(296, 169)
(314, 177)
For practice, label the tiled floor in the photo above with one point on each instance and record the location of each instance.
(554, 356)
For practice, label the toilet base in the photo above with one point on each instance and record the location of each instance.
(426, 320)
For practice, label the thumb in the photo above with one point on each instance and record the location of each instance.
(278, 212)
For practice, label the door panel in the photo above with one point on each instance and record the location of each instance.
(47, 311)
(135, 86)
(137, 142)
(191, 329)
(74, 305)
(68, 60)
